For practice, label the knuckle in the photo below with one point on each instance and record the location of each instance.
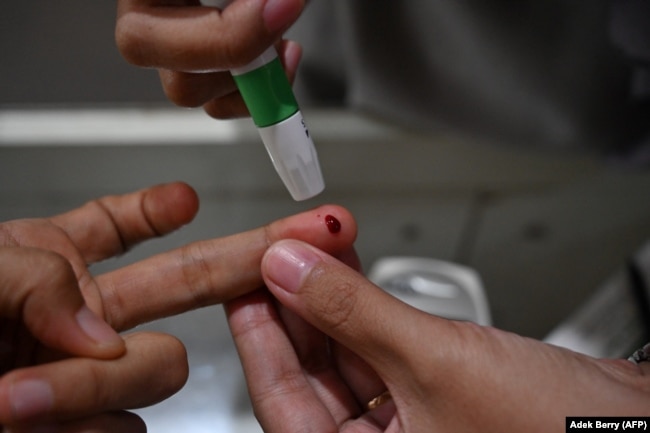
(99, 392)
(197, 273)
(101, 209)
(54, 273)
(252, 324)
(31, 289)
(233, 48)
(56, 269)
(227, 50)
(284, 383)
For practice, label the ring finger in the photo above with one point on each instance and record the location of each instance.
(43, 393)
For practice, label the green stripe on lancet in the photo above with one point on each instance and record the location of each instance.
(267, 94)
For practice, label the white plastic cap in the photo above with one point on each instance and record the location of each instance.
(294, 157)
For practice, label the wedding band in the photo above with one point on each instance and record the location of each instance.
(379, 400)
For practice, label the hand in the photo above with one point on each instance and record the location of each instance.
(443, 376)
(60, 363)
(194, 47)
(59, 360)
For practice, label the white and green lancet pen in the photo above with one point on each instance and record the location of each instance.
(267, 93)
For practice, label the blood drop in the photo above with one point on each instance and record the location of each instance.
(333, 225)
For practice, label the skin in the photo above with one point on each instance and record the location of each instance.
(330, 341)
(193, 47)
(64, 365)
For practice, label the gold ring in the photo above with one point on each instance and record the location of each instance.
(379, 400)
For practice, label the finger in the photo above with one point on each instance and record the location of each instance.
(290, 55)
(317, 359)
(230, 106)
(364, 382)
(188, 89)
(40, 289)
(216, 91)
(201, 38)
(111, 422)
(111, 225)
(153, 368)
(283, 398)
(227, 102)
(213, 271)
(344, 305)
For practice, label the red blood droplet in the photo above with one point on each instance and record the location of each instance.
(333, 225)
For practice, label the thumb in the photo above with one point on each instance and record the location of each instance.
(39, 289)
(343, 304)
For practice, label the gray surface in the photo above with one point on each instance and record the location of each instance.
(65, 52)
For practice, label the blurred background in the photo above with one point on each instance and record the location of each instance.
(507, 138)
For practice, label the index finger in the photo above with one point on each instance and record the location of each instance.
(214, 271)
(111, 225)
(188, 38)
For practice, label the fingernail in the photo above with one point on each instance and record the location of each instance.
(95, 328)
(287, 263)
(279, 14)
(30, 398)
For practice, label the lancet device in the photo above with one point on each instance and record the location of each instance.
(267, 93)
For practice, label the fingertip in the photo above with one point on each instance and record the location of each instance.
(170, 356)
(329, 227)
(171, 206)
(278, 15)
(187, 199)
(333, 226)
(291, 54)
(339, 225)
(29, 398)
(104, 341)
